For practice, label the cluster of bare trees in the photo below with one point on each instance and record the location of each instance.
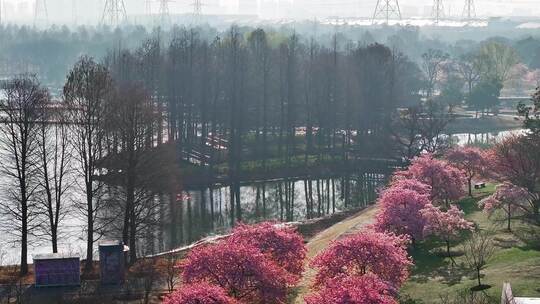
(266, 97)
(269, 95)
(53, 154)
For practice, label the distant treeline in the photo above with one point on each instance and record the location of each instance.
(51, 52)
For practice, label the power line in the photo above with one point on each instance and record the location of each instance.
(438, 10)
(114, 12)
(386, 9)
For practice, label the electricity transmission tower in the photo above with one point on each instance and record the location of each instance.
(469, 11)
(438, 10)
(197, 10)
(164, 16)
(114, 12)
(386, 9)
(40, 12)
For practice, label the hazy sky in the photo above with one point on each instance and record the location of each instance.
(89, 11)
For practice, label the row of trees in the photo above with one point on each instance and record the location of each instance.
(260, 263)
(259, 91)
(55, 152)
(417, 202)
(476, 77)
(256, 264)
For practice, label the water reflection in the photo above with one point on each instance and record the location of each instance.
(483, 139)
(209, 211)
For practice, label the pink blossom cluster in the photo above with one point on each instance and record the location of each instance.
(364, 268)
(256, 264)
(507, 196)
(201, 293)
(446, 225)
(446, 181)
(355, 290)
(400, 210)
(472, 161)
(406, 206)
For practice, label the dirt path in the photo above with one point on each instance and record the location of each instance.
(323, 239)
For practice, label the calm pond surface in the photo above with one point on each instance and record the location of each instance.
(206, 212)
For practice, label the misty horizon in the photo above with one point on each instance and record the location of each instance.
(86, 12)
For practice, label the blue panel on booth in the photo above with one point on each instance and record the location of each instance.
(111, 262)
(57, 269)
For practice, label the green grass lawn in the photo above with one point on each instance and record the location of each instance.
(516, 260)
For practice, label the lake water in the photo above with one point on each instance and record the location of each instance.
(208, 211)
(483, 139)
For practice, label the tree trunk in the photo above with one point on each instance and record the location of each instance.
(509, 217)
(88, 266)
(54, 239)
(132, 237)
(24, 240)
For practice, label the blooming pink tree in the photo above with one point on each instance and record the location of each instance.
(281, 244)
(368, 252)
(446, 181)
(509, 198)
(241, 270)
(446, 225)
(516, 160)
(471, 160)
(400, 212)
(354, 290)
(411, 184)
(200, 293)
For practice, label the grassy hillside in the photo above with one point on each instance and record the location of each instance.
(516, 260)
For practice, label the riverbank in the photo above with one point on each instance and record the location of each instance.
(485, 124)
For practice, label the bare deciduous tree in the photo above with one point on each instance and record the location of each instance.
(432, 64)
(21, 110)
(85, 92)
(55, 153)
(478, 250)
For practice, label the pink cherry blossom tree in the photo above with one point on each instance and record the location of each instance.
(446, 181)
(516, 160)
(508, 198)
(400, 212)
(354, 290)
(446, 225)
(240, 269)
(470, 160)
(368, 252)
(200, 293)
(411, 184)
(280, 243)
